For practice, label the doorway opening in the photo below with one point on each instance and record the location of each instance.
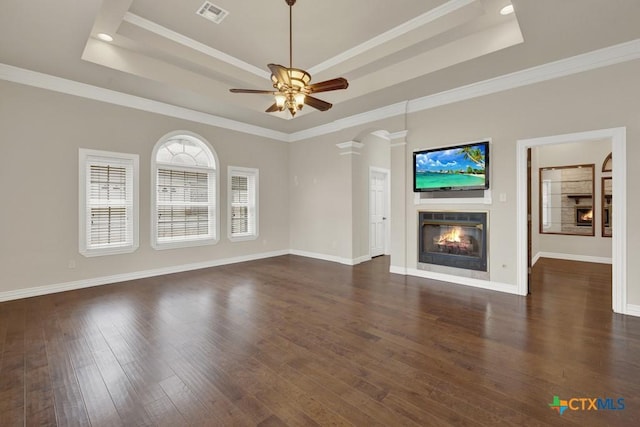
(617, 136)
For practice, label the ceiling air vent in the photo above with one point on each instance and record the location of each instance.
(212, 12)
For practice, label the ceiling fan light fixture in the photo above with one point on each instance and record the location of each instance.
(280, 101)
(299, 98)
(299, 78)
(292, 88)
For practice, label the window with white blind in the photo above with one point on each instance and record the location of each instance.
(243, 203)
(108, 202)
(185, 187)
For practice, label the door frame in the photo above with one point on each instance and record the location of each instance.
(387, 207)
(618, 139)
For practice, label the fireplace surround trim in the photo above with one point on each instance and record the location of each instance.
(454, 261)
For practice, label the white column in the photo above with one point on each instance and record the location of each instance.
(399, 193)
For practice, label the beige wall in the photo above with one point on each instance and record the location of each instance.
(375, 153)
(41, 134)
(565, 155)
(598, 99)
(329, 192)
(320, 191)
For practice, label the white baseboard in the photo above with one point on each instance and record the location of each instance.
(106, 280)
(466, 281)
(398, 270)
(331, 258)
(572, 257)
(361, 259)
(633, 310)
(535, 258)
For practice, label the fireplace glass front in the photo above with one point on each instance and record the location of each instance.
(454, 239)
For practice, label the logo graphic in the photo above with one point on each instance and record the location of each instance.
(559, 405)
(586, 404)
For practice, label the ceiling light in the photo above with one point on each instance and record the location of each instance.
(280, 101)
(291, 88)
(105, 37)
(507, 10)
(299, 98)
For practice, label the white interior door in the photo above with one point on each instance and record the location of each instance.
(378, 195)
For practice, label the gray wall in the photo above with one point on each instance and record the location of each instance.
(329, 194)
(320, 191)
(375, 153)
(41, 134)
(599, 99)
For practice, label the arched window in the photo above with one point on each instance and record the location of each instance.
(185, 188)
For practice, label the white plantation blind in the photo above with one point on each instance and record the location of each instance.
(184, 201)
(183, 204)
(108, 205)
(243, 202)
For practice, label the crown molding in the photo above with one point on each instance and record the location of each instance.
(398, 135)
(193, 44)
(350, 144)
(351, 148)
(388, 136)
(383, 134)
(351, 121)
(70, 87)
(611, 55)
(400, 30)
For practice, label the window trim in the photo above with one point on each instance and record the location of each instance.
(243, 171)
(155, 165)
(106, 156)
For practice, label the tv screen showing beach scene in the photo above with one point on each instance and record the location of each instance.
(463, 167)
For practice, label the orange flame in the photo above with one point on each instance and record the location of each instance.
(451, 236)
(587, 216)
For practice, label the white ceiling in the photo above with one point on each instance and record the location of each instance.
(389, 51)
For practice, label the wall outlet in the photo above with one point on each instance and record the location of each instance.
(72, 263)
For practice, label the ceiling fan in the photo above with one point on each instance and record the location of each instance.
(291, 85)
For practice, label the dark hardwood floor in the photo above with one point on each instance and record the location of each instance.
(300, 342)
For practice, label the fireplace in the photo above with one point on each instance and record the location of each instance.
(453, 239)
(584, 216)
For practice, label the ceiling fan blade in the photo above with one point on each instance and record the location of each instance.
(281, 73)
(333, 84)
(316, 103)
(266, 92)
(273, 108)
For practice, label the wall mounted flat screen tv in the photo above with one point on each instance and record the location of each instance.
(460, 167)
